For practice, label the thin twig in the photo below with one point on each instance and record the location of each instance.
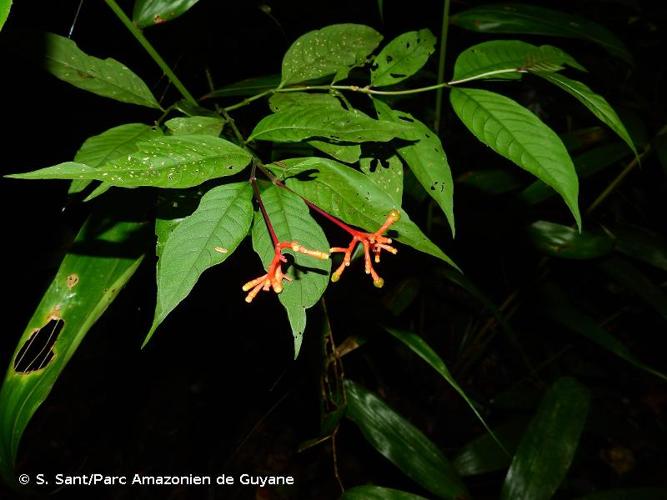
(441, 65)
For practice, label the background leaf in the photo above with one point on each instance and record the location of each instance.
(194, 125)
(104, 77)
(150, 12)
(517, 134)
(567, 243)
(642, 244)
(402, 57)
(247, 87)
(369, 492)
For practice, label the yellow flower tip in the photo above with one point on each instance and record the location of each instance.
(394, 215)
(378, 283)
(277, 287)
(335, 277)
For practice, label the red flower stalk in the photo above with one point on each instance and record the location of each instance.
(274, 275)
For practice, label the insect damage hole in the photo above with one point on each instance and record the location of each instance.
(37, 352)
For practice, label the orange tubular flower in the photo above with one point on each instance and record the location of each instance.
(274, 275)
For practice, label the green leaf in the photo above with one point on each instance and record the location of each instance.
(331, 50)
(5, 5)
(517, 134)
(532, 20)
(172, 208)
(402, 57)
(151, 12)
(104, 77)
(86, 283)
(628, 494)
(561, 241)
(548, 446)
(559, 309)
(114, 143)
(426, 158)
(387, 174)
(203, 240)
(317, 122)
(168, 162)
(195, 125)
(369, 492)
(402, 443)
(424, 351)
(642, 244)
(247, 87)
(492, 181)
(310, 276)
(352, 197)
(508, 59)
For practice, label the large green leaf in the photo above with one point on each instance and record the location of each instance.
(5, 5)
(114, 143)
(247, 87)
(597, 104)
(195, 125)
(150, 12)
(517, 134)
(533, 20)
(402, 57)
(548, 446)
(507, 59)
(88, 280)
(168, 162)
(332, 50)
(310, 276)
(369, 492)
(387, 173)
(204, 239)
(402, 443)
(312, 122)
(564, 242)
(426, 158)
(105, 77)
(352, 197)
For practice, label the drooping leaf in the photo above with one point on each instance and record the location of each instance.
(104, 77)
(640, 243)
(84, 286)
(169, 162)
(247, 87)
(548, 446)
(317, 122)
(352, 197)
(597, 104)
(532, 20)
(114, 143)
(5, 5)
(402, 57)
(564, 242)
(508, 59)
(517, 134)
(310, 276)
(195, 125)
(426, 158)
(370, 492)
(151, 12)
(387, 173)
(332, 50)
(203, 240)
(402, 443)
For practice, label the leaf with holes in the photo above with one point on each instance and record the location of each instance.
(402, 57)
(195, 125)
(84, 286)
(426, 158)
(508, 59)
(203, 240)
(151, 12)
(517, 134)
(310, 276)
(387, 173)
(169, 162)
(352, 197)
(104, 77)
(332, 50)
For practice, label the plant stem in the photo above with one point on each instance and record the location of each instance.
(262, 208)
(441, 65)
(137, 33)
(248, 100)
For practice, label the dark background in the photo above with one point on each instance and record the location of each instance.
(217, 390)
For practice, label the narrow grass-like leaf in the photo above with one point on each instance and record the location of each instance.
(203, 240)
(151, 12)
(597, 104)
(402, 57)
(195, 125)
(387, 174)
(564, 242)
(426, 158)
(332, 50)
(424, 351)
(370, 492)
(548, 446)
(517, 134)
(532, 20)
(642, 244)
(352, 197)
(169, 162)
(402, 443)
(105, 77)
(310, 276)
(85, 285)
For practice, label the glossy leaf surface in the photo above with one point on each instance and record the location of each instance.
(402, 57)
(150, 12)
